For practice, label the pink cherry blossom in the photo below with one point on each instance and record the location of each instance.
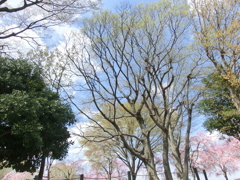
(221, 157)
(12, 175)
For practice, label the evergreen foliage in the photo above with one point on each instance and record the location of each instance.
(217, 105)
(33, 119)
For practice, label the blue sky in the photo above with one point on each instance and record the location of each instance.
(110, 5)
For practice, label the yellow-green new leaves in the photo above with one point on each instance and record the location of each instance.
(138, 63)
(217, 28)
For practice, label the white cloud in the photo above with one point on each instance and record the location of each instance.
(13, 3)
(215, 135)
(22, 44)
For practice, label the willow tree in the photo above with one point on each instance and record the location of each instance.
(136, 58)
(217, 29)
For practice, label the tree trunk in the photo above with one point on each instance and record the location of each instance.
(149, 160)
(152, 174)
(187, 142)
(225, 175)
(133, 175)
(196, 173)
(235, 98)
(132, 168)
(167, 170)
(176, 155)
(177, 162)
(41, 172)
(205, 175)
(109, 176)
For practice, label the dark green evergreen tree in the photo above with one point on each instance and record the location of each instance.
(217, 105)
(33, 119)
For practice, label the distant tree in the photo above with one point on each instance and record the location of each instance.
(107, 168)
(103, 159)
(93, 137)
(214, 156)
(217, 105)
(18, 17)
(33, 119)
(67, 169)
(111, 159)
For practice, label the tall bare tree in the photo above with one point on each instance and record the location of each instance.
(138, 59)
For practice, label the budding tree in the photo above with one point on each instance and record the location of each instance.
(217, 29)
(136, 59)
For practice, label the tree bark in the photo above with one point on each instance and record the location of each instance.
(205, 175)
(149, 161)
(176, 155)
(152, 174)
(235, 98)
(41, 172)
(187, 142)
(196, 172)
(225, 175)
(167, 170)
